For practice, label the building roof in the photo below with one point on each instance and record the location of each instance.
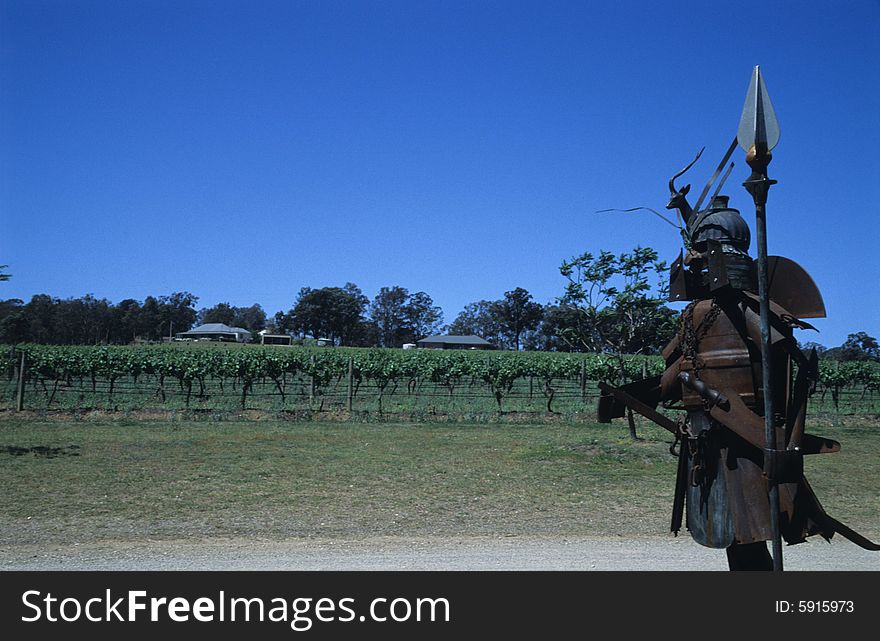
(217, 328)
(456, 340)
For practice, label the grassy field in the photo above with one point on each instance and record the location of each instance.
(94, 479)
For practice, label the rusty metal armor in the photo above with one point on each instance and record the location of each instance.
(714, 374)
(721, 473)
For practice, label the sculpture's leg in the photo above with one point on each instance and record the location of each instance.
(749, 556)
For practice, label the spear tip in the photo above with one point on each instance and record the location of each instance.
(758, 124)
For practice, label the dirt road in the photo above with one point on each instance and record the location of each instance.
(472, 553)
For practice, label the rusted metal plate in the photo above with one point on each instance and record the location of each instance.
(672, 350)
(724, 359)
(670, 386)
(793, 288)
(678, 290)
(730, 504)
(749, 426)
(648, 396)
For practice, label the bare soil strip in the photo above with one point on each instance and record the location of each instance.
(424, 553)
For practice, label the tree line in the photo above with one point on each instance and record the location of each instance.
(88, 320)
(343, 315)
(611, 303)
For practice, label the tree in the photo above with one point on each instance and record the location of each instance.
(618, 310)
(335, 313)
(821, 350)
(90, 320)
(166, 315)
(177, 313)
(366, 334)
(150, 320)
(400, 317)
(388, 312)
(587, 291)
(516, 313)
(281, 323)
(478, 319)
(40, 314)
(422, 317)
(78, 321)
(219, 313)
(14, 326)
(126, 318)
(252, 318)
(350, 320)
(860, 346)
(557, 322)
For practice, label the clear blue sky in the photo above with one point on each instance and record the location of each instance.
(243, 150)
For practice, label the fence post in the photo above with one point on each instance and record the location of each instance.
(350, 397)
(835, 392)
(312, 380)
(583, 380)
(19, 393)
(644, 368)
(13, 358)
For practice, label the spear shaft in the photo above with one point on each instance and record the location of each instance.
(758, 133)
(756, 184)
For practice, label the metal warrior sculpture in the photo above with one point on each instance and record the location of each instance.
(735, 369)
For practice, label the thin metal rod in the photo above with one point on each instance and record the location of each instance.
(767, 372)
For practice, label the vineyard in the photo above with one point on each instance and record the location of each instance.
(468, 384)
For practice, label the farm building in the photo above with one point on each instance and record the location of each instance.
(454, 342)
(216, 332)
(275, 339)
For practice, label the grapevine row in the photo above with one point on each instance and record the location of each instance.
(191, 366)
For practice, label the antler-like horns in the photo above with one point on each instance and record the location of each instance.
(672, 188)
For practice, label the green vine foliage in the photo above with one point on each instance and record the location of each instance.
(376, 365)
(192, 366)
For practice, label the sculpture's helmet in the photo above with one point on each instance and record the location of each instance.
(720, 223)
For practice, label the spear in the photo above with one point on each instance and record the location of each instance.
(758, 134)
